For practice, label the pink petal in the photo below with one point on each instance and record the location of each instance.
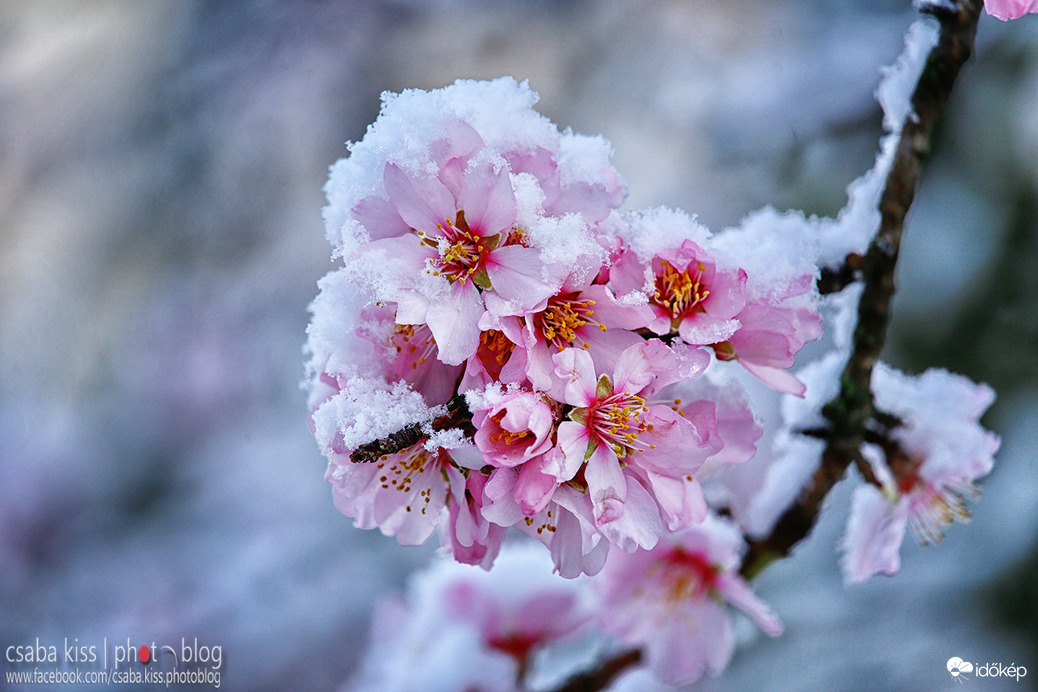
(515, 274)
(727, 295)
(534, 489)
(701, 329)
(406, 252)
(572, 440)
(778, 379)
(499, 505)
(875, 530)
(679, 656)
(739, 594)
(379, 217)
(571, 555)
(488, 201)
(639, 525)
(575, 368)
(422, 203)
(540, 163)
(1010, 9)
(454, 323)
(593, 201)
(681, 500)
(680, 447)
(606, 483)
(605, 347)
(612, 313)
(645, 368)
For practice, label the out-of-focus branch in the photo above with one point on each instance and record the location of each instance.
(599, 678)
(851, 411)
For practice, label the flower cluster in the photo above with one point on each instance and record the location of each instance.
(504, 348)
(566, 343)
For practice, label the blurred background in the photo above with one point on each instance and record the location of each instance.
(161, 165)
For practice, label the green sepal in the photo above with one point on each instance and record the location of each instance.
(482, 279)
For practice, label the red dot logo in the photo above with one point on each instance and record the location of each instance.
(144, 654)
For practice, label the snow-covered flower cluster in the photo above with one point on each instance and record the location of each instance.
(504, 348)
(568, 344)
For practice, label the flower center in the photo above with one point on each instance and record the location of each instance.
(461, 252)
(562, 317)
(493, 351)
(616, 420)
(686, 575)
(407, 339)
(509, 438)
(679, 292)
(518, 645)
(933, 507)
(400, 470)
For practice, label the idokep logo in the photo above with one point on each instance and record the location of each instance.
(958, 668)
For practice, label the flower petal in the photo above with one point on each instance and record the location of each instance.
(422, 203)
(488, 200)
(455, 323)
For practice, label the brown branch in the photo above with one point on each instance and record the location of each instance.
(457, 416)
(600, 677)
(835, 279)
(852, 410)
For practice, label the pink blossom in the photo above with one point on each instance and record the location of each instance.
(770, 335)
(460, 628)
(514, 427)
(588, 318)
(408, 494)
(463, 241)
(410, 354)
(1010, 9)
(524, 616)
(613, 421)
(930, 471)
(672, 601)
(497, 359)
(688, 295)
(404, 494)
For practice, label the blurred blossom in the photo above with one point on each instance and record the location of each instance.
(462, 628)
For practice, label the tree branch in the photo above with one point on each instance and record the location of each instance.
(599, 678)
(850, 412)
(457, 416)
